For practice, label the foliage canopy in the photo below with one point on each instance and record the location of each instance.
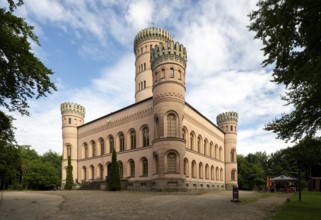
(22, 74)
(291, 34)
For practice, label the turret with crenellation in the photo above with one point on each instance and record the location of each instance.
(227, 121)
(144, 42)
(72, 116)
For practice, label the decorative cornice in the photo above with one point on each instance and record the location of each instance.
(168, 51)
(112, 123)
(169, 96)
(227, 117)
(151, 33)
(72, 108)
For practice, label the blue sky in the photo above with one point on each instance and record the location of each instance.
(89, 46)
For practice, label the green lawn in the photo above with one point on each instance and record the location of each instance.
(308, 208)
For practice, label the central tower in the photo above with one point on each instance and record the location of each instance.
(144, 41)
(168, 62)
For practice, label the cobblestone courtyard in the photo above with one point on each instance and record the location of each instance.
(137, 205)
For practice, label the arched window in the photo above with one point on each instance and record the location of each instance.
(215, 153)
(84, 173)
(212, 173)
(145, 167)
(184, 134)
(171, 125)
(156, 127)
(121, 142)
(93, 146)
(217, 174)
(233, 175)
(132, 168)
(68, 151)
(92, 172)
(231, 128)
(205, 147)
(133, 139)
(192, 140)
(145, 136)
(171, 163)
(206, 172)
(211, 149)
(194, 169)
(221, 174)
(179, 75)
(186, 171)
(69, 120)
(102, 146)
(121, 169)
(220, 154)
(111, 144)
(199, 143)
(200, 170)
(232, 156)
(144, 66)
(85, 150)
(163, 73)
(144, 84)
(100, 171)
(171, 73)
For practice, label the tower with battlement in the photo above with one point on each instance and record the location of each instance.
(73, 115)
(144, 41)
(168, 62)
(227, 121)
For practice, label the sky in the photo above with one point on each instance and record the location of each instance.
(89, 46)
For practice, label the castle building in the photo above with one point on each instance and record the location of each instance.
(161, 141)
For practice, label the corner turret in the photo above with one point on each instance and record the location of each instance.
(72, 116)
(227, 121)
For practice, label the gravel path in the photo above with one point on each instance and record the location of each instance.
(137, 205)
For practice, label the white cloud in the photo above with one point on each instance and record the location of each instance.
(115, 79)
(223, 63)
(256, 139)
(140, 13)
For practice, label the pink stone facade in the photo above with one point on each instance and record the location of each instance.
(162, 142)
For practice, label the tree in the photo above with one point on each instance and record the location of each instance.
(251, 174)
(55, 160)
(41, 175)
(114, 178)
(282, 162)
(27, 155)
(9, 165)
(291, 34)
(6, 129)
(69, 178)
(22, 74)
(308, 151)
